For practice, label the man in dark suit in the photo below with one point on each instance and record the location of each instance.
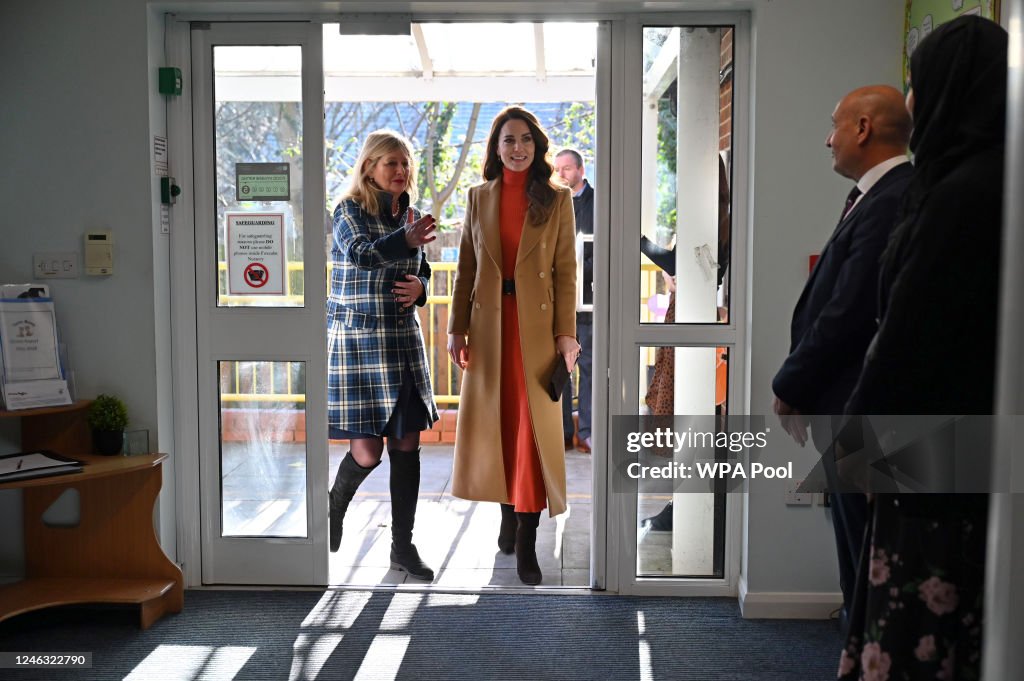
(569, 166)
(835, 317)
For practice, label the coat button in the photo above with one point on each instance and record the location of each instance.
(476, 305)
(543, 306)
(401, 322)
(540, 274)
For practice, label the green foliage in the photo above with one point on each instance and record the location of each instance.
(576, 129)
(667, 219)
(107, 412)
(667, 133)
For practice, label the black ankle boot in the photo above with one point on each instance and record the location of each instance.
(662, 522)
(526, 548)
(507, 533)
(346, 482)
(405, 487)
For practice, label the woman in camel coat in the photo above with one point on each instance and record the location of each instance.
(515, 297)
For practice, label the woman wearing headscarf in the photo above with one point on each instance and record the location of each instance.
(378, 379)
(515, 297)
(917, 611)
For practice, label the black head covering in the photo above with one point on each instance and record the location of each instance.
(958, 74)
(935, 348)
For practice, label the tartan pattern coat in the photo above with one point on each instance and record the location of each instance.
(370, 336)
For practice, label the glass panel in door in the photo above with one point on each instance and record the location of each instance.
(258, 135)
(685, 208)
(263, 449)
(682, 534)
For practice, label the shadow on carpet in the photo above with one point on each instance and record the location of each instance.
(388, 635)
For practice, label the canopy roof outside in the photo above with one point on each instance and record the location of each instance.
(442, 61)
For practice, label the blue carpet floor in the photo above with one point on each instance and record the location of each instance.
(387, 635)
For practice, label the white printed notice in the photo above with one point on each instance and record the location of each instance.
(256, 262)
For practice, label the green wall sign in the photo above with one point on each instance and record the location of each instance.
(262, 182)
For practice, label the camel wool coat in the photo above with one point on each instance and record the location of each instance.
(545, 280)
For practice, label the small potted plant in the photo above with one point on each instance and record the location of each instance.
(107, 417)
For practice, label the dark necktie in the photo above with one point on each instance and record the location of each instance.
(850, 200)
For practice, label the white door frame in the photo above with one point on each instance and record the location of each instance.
(628, 335)
(214, 330)
(613, 534)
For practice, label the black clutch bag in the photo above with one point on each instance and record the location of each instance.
(559, 378)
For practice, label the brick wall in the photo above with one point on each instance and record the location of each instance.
(289, 425)
(725, 96)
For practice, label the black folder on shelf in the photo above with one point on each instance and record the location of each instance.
(36, 464)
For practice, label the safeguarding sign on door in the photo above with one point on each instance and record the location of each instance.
(256, 262)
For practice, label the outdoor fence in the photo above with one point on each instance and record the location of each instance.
(245, 383)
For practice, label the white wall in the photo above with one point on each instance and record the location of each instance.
(78, 105)
(76, 140)
(807, 55)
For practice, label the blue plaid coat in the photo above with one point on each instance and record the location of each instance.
(370, 336)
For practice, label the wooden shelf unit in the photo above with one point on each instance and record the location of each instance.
(112, 555)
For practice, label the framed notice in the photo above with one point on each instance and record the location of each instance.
(30, 366)
(922, 16)
(256, 258)
(28, 340)
(262, 182)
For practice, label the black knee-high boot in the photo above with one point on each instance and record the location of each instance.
(405, 487)
(526, 548)
(507, 533)
(346, 482)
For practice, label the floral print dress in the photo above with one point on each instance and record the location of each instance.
(919, 616)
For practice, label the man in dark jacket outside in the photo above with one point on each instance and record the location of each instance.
(836, 316)
(569, 166)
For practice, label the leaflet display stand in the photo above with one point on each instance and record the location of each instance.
(112, 555)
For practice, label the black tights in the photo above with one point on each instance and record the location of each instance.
(367, 451)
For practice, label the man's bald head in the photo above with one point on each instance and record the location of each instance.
(885, 106)
(869, 125)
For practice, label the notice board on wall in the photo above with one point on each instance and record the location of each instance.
(922, 16)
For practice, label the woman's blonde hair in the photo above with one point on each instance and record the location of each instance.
(378, 144)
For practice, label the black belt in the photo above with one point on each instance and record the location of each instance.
(508, 287)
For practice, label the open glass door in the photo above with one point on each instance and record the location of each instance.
(440, 85)
(259, 263)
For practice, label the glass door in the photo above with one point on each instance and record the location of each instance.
(680, 306)
(260, 214)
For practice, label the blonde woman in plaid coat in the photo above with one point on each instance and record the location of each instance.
(378, 381)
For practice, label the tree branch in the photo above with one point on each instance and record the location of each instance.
(443, 197)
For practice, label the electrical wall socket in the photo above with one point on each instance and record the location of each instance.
(794, 498)
(55, 265)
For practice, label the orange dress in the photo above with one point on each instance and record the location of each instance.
(523, 477)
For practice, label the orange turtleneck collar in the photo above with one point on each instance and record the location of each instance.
(514, 178)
